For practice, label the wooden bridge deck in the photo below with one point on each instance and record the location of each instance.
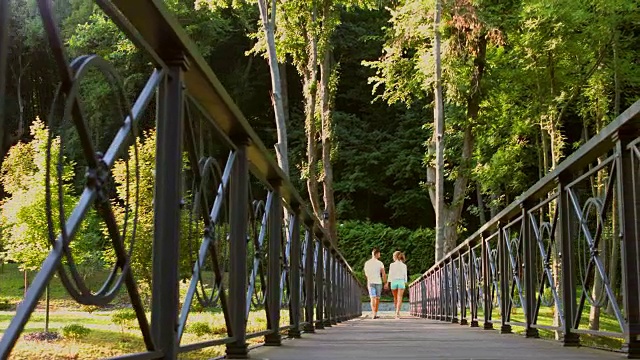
(412, 338)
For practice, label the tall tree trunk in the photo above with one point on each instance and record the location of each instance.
(285, 90)
(268, 27)
(327, 121)
(438, 138)
(310, 92)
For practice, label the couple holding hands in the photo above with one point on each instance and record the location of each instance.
(376, 277)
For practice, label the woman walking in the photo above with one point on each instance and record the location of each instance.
(398, 279)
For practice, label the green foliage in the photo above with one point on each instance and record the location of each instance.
(24, 219)
(357, 239)
(199, 328)
(142, 257)
(123, 317)
(75, 331)
(5, 305)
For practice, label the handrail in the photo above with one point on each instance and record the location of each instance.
(628, 121)
(555, 246)
(160, 30)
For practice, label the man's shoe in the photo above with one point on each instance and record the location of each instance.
(376, 317)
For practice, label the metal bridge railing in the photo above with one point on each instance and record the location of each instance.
(258, 257)
(566, 248)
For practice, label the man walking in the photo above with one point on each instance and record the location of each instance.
(376, 276)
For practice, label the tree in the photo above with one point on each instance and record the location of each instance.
(405, 70)
(24, 224)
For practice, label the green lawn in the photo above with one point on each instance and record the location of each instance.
(608, 323)
(105, 338)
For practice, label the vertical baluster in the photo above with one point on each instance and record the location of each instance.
(628, 193)
(505, 298)
(486, 283)
(462, 286)
(474, 289)
(294, 276)
(327, 288)
(320, 286)
(273, 271)
(164, 301)
(238, 210)
(308, 280)
(567, 219)
(528, 241)
(334, 290)
(453, 284)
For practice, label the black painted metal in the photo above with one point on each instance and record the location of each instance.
(309, 283)
(238, 210)
(547, 248)
(164, 305)
(190, 102)
(294, 278)
(320, 287)
(273, 274)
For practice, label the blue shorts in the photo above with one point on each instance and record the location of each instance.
(397, 284)
(375, 290)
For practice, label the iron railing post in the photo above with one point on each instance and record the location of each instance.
(503, 266)
(339, 292)
(334, 290)
(308, 280)
(628, 193)
(320, 303)
(273, 301)
(328, 293)
(427, 294)
(442, 295)
(568, 285)
(486, 283)
(462, 286)
(294, 277)
(474, 288)
(454, 291)
(238, 225)
(528, 241)
(167, 199)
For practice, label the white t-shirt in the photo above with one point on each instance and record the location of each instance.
(372, 270)
(398, 271)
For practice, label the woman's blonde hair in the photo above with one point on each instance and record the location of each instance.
(398, 255)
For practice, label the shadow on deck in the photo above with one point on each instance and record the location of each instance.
(414, 338)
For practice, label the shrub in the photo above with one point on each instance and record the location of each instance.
(5, 305)
(357, 238)
(123, 317)
(200, 329)
(75, 331)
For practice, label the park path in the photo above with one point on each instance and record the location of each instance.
(413, 338)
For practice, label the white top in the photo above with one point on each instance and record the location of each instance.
(398, 271)
(373, 270)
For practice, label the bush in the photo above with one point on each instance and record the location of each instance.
(123, 317)
(357, 238)
(75, 331)
(200, 329)
(5, 305)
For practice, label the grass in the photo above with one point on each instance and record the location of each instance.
(105, 338)
(608, 323)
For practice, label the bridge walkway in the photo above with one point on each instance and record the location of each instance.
(415, 338)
